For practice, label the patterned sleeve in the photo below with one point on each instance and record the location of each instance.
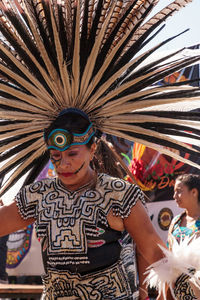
(132, 194)
(27, 203)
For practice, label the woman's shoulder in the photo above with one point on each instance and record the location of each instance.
(120, 187)
(178, 217)
(175, 220)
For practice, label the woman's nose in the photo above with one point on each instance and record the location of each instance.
(64, 161)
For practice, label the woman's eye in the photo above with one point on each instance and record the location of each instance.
(72, 153)
(55, 157)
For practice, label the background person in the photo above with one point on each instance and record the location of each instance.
(187, 196)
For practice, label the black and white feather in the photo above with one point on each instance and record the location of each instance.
(87, 54)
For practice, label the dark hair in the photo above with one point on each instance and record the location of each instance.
(104, 161)
(192, 181)
(73, 122)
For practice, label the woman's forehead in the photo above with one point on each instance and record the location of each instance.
(73, 147)
(178, 184)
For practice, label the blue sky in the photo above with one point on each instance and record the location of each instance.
(187, 17)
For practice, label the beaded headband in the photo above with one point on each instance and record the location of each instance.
(61, 139)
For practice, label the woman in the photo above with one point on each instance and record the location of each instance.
(80, 218)
(89, 56)
(187, 196)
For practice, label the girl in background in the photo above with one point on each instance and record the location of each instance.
(187, 196)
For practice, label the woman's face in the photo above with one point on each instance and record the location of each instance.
(182, 195)
(73, 165)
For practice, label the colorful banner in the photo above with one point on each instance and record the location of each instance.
(155, 172)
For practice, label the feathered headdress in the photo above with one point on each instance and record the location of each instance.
(86, 54)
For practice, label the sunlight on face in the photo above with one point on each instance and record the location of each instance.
(73, 165)
(182, 194)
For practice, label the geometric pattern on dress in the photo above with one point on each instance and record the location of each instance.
(62, 216)
(110, 283)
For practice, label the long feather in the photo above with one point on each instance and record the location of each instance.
(19, 142)
(12, 125)
(62, 65)
(36, 168)
(44, 54)
(92, 58)
(40, 91)
(24, 130)
(166, 11)
(137, 77)
(18, 43)
(153, 143)
(76, 59)
(102, 70)
(150, 133)
(26, 165)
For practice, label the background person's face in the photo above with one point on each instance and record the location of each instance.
(182, 195)
(73, 165)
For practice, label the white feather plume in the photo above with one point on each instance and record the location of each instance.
(183, 257)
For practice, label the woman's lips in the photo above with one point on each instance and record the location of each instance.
(66, 174)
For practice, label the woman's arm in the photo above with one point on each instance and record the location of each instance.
(143, 288)
(141, 267)
(10, 219)
(140, 227)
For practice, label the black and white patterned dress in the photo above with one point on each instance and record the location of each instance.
(83, 257)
